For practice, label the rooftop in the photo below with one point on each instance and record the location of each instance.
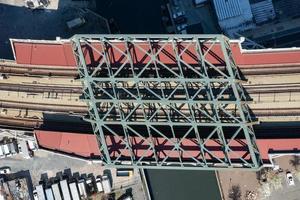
(83, 145)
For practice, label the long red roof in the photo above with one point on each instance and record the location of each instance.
(86, 145)
(59, 53)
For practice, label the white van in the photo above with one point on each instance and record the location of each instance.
(31, 145)
(99, 184)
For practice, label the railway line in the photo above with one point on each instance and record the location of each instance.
(11, 68)
(35, 88)
(256, 90)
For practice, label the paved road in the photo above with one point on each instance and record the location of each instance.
(287, 192)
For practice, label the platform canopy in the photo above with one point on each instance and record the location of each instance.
(166, 101)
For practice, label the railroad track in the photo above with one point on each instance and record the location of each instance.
(43, 107)
(51, 71)
(23, 122)
(27, 70)
(36, 88)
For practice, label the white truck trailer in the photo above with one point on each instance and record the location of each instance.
(40, 192)
(106, 184)
(65, 190)
(6, 150)
(82, 189)
(99, 184)
(1, 152)
(49, 194)
(74, 191)
(56, 192)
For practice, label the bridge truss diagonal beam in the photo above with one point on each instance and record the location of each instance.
(151, 107)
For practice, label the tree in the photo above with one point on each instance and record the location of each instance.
(295, 161)
(250, 195)
(235, 192)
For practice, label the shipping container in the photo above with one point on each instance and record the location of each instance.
(56, 192)
(49, 194)
(74, 191)
(65, 190)
(40, 192)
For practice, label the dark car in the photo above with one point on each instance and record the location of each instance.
(180, 20)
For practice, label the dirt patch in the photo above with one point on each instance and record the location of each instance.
(236, 184)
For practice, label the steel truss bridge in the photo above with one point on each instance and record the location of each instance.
(181, 91)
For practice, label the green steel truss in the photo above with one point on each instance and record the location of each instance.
(166, 101)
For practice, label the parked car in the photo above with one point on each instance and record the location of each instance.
(74, 23)
(290, 179)
(181, 27)
(5, 170)
(180, 20)
(178, 14)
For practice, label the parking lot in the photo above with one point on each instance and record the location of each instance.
(287, 192)
(44, 165)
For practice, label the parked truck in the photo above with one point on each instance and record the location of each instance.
(6, 150)
(65, 190)
(82, 189)
(40, 192)
(99, 184)
(1, 152)
(56, 192)
(74, 191)
(13, 148)
(106, 184)
(49, 194)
